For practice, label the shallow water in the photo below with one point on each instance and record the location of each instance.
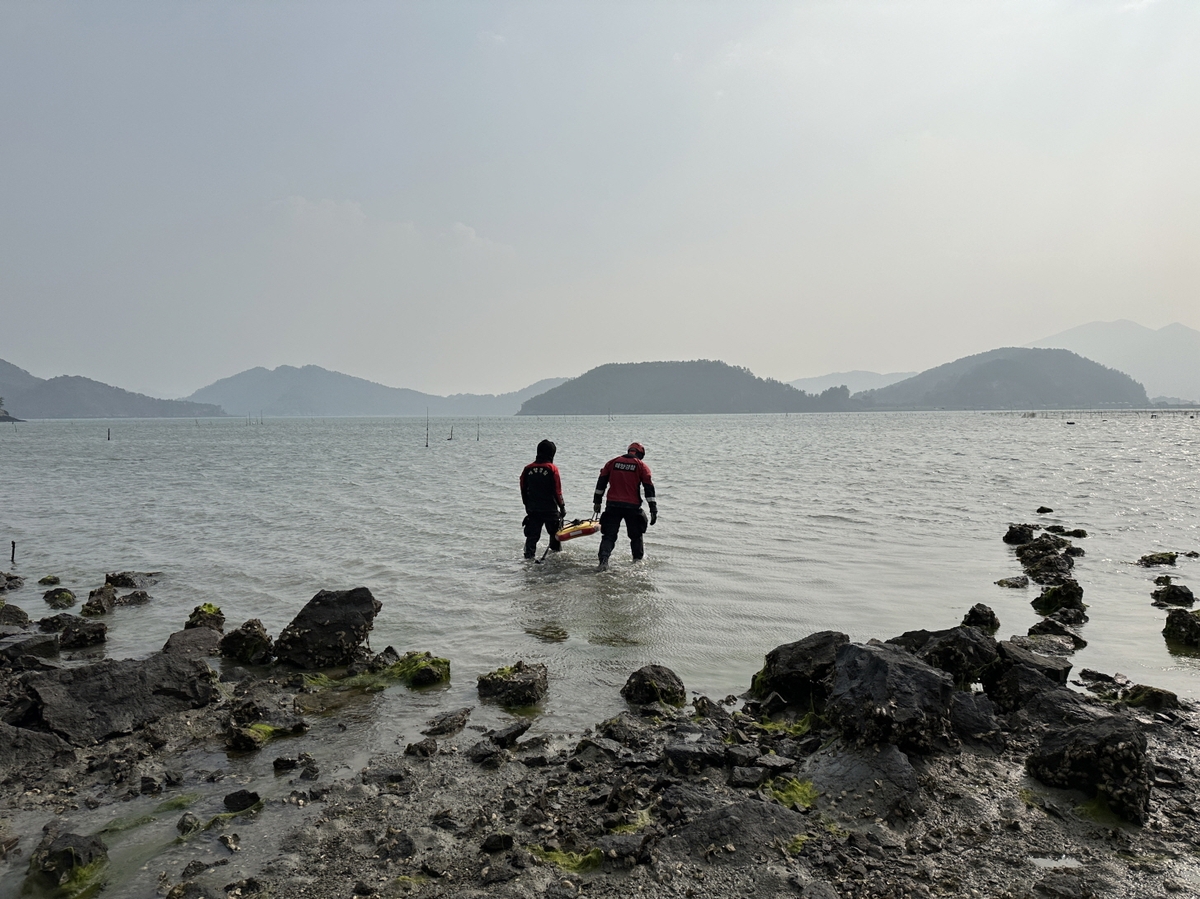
(771, 527)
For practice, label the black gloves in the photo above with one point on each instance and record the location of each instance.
(653, 513)
(596, 508)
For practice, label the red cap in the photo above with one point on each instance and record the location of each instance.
(637, 449)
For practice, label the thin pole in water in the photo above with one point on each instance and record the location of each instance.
(14, 553)
(110, 433)
(426, 427)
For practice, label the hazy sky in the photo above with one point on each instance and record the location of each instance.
(472, 196)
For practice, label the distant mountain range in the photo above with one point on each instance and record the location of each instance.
(854, 381)
(704, 386)
(1007, 378)
(314, 391)
(70, 396)
(1166, 361)
(1012, 378)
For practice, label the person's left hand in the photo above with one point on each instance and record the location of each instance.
(653, 516)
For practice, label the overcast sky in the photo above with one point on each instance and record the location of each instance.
(468, 197)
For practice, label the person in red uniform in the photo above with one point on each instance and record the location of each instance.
(541, 492)
(624, 477)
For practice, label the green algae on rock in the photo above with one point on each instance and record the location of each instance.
(515, 686)
(206, 615)
(1151, 559)
(793, 793)
(571, 862)
(59, 598)
(67, 866)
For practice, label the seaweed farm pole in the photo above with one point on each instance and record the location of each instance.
(110, 433)
(14, 552)
(426, 427)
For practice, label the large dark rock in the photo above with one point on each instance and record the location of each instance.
(250, 644)
(10, 581)
(109, 698)
(1054, 668)
(1150, 560)
(74, 632)
(973, 716)
(1051, 569)
(59, 598)
(100, 601)
(81, 633)
(654, 683)
(913, 640)
(1019, 533)
(800, 672)
(240, 800)
(208, 616)
(28, 643)
(20, 747)
(1016, 686)
(516, 686)
(194, 643)
(1067, 594)
(1183, 627)
(132, 580)
(329, 630)
(12, 616)
(965, 653)
(63, 858)
(1053, 627)
(882, 694)
(1104, 757)
(1058, 707)
(1155, 699)
(1173, 595)
(982, 617)
(1044, 561)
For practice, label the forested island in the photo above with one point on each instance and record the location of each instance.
(700, 387)
(312, 390)
(71, 396)
(1011, 378)
(1008, 378)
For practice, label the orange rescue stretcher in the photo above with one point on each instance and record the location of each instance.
(578, 528)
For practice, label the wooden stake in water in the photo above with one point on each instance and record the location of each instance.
(426, 427)
(14, 554)
(110, 433)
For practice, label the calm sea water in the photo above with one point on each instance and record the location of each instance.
(771, 527)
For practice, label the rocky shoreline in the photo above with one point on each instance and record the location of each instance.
(932, 763)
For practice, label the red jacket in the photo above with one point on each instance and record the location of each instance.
(624, 477)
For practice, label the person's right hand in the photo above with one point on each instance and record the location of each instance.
(596, 509)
